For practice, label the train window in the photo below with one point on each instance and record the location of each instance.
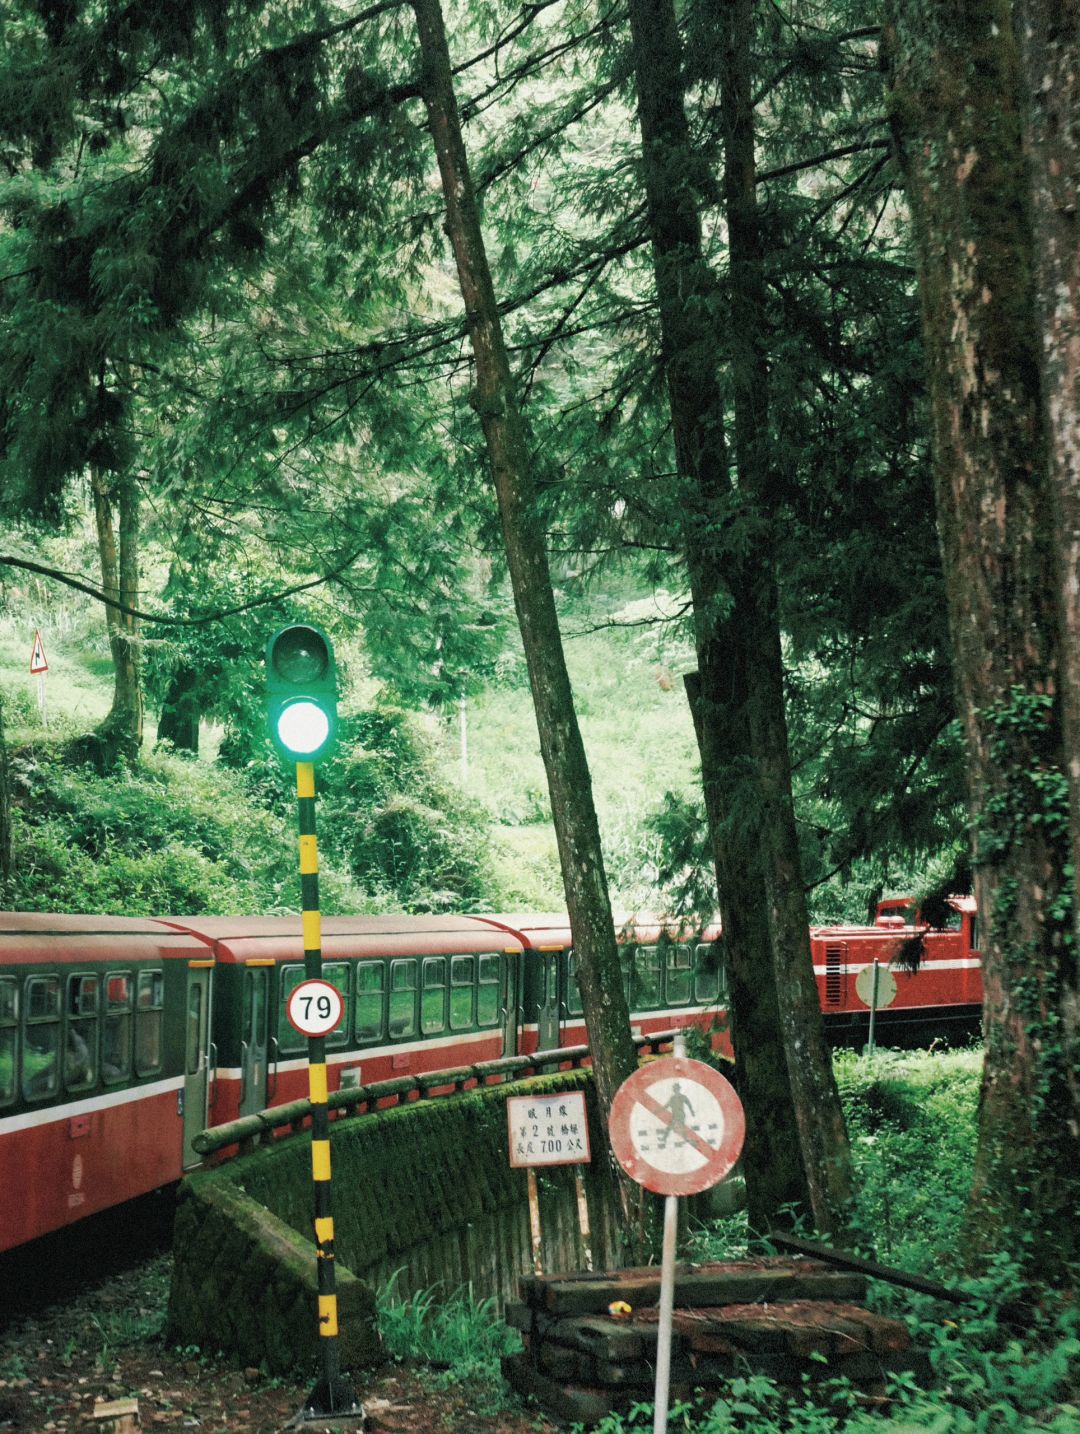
(645, 992)
(708, 971)
(337, 973)
(489, 993)
(195, 1051)
(81, 1042)
(9, 1015)
(462, 992)
(149, 1014)
(677, 974)
(403, 998)
(628, 953)
(974, 933)
(370, 981)
(116, 1027)
(573, 988)
(289, 1038)
(41, 1037)
(433, 996)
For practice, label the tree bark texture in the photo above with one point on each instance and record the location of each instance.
(116, 514)
(569, 782)
(178, 722)
(796, 1152)
(954, 97)
(822, 1131)
(5, 802)
(1049, 39)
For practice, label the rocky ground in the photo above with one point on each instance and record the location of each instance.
(60, 1365)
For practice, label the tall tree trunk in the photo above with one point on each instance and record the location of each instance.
(569, 782)
(178, 721)
(954, 100)
(822, 1131)
(797, 1151)
(1049, 35)
(5, 802)
(120, 735)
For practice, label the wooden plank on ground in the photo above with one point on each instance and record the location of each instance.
(715, 1284)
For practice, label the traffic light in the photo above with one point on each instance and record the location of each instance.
(301, 680)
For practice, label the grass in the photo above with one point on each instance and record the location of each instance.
(461, 1338)
(638, 735)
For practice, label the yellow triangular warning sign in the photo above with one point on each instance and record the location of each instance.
(37, 656)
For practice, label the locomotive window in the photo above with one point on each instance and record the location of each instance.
(646, 983)
(370, 980)
(489, 994)
(41, 1038)
(80, 1046)
(9, 1014)
(573, 989)
(149, 1014)
(462, 991)
(403, 998)
(708, 971)
(677, 972)
(337, 973)
(433, 996)
(116, 1028)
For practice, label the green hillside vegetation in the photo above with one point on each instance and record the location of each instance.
(406, 821)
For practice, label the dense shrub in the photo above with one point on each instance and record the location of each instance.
(168, 837)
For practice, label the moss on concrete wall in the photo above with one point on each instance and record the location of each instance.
(425, 1190)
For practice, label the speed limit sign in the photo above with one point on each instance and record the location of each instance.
(315, 1008)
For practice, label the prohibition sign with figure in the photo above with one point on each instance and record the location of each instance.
(677, 1126)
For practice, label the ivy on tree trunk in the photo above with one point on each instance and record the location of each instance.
(956, 105)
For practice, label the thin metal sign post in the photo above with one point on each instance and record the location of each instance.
(677, 1127)
(873, 1007)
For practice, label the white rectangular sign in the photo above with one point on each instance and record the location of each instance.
(548, 1130)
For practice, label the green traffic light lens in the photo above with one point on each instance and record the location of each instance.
(300, 655)
(303, 727)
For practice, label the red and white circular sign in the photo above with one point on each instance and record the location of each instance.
(677, 1126)
(315, 1008)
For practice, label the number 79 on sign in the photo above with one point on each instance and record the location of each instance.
(315, 1008)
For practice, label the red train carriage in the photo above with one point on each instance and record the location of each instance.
(421, 993)
(673, 978)
(99, 1098)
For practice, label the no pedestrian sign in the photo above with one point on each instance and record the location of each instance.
(677, 1126)
(315, 1008)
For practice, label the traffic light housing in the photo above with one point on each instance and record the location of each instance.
(301, 679)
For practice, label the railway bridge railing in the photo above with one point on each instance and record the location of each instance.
(264, 1125)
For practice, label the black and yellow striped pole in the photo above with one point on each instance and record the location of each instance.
(333, 1394)
(302, 691)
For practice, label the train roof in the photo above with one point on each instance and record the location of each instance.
(280, 938)
(28, 937)
(552, 928)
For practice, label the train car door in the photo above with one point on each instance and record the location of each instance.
(196, 1056)
(511, 1000)
(547, 999)
(254, 1037)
